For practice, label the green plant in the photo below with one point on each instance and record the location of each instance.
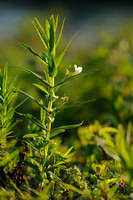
(9, 148)
(109, 162)
(44, 155)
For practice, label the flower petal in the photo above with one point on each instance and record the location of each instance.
(75, 66)
(79, 69)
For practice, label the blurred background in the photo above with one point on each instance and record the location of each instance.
(104, 43)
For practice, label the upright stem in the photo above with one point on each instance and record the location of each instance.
(50, 104)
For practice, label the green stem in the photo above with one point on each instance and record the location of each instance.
(50, 104)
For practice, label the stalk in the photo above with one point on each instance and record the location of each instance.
(50, 104)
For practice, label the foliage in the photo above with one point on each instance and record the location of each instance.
(96, 164)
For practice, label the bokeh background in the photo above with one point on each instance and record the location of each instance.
(104, 43)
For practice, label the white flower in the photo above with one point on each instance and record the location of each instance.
(77, 69)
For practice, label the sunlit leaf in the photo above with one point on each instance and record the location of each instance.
(63, 52)
(42, 37)
(52, 33)
(74, 104)
(67, 127)
(34, 74)
(34, 120)
(33, 52)
(41, 88)
(56, 132)
(32, 98)
(74, 77)
(60, 32)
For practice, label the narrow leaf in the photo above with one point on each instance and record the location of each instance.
(33, 52)
(31, 135)
(68, 126)
(34, 74)
(71, 187)
(34, 120)
(74, 104)
(9, 157)
(47, 28)
(34, 166)
(5, 79)
(67, 152)
(30, 97)
(52, 33)
(41, 88)
(74, 77)
(63, 52)
(56, 132)
(40, 26)
(61, 31)
(17, 106)
(56, 22)
(42, 37)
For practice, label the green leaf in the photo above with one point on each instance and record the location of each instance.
(34, 120)
(34, 74)
(17, 189)
(68, 126)
(40, 26)
(56, 22)
(34, 166)
(112, 191)
(42, 37)
(53, 150)
(131, 156)
(5, 79)
(101, 143)
(52, 33)
(63, 52)
(61, 31)
(56, 132)
(32, 145)
(71, 187)
(33, 52)
(9, 157)
(52, 66)
(74, 77)
(73, 104)
(31, 135)
(47, 28)
(30, 97)
(12, 126)
(107, 130)
(41, 88)
(13, 109)
(68, 151)
(128, 135)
